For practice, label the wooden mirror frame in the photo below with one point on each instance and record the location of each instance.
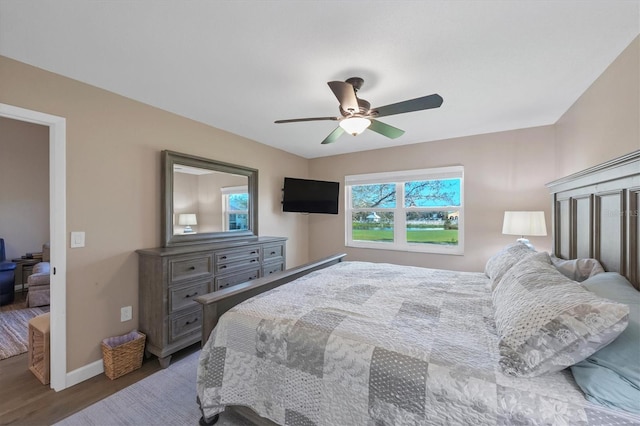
(171, 158)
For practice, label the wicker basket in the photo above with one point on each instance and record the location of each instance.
(122, 354)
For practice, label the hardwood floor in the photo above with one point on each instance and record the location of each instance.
(26, 401)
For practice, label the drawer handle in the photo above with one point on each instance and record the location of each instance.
(191, 295)
(191, 322)
(253, 261)
(253, 252)
(253, 278)
(223, 266)
(273, 252)
(192, 268)
(223, 257)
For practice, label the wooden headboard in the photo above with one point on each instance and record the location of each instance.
(595, 214)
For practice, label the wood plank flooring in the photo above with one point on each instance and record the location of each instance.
(26, 401)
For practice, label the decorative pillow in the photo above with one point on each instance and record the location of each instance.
(502, 261)
(548, 322)
(577, 269)
(611, 376)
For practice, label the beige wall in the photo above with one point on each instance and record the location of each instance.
(24, 186)
(113, 191)
(502, 171)
(604, 122)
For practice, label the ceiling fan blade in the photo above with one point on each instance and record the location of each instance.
(346, 95)
(296, 120)
(417, 104)
(385, 129)
(333, 135)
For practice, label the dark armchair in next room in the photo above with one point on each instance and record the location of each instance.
(7, 277)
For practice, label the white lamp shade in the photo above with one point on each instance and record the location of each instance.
(355, 125)
(524, 223)
(187, 219)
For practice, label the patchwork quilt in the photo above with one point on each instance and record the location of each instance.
(378, 344)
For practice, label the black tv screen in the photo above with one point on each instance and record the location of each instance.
(310, 196)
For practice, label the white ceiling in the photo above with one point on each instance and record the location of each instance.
(240, 65)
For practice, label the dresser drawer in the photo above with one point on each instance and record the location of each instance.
(229, 256)
(182, 296)
(273, 252)
(229, 261)
(190, 267)
(237, 278)
(272, 268)
(185, 324)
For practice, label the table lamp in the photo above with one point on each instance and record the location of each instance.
(524, 223)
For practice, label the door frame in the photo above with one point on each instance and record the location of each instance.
(57, 229)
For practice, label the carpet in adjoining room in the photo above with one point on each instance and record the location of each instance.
(14, 330)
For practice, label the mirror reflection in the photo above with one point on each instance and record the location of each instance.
(206, 200)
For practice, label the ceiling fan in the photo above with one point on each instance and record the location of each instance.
(357, 114)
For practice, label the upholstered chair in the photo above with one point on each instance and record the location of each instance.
(7, 277)
(38, 281)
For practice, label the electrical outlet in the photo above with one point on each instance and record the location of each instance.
(125, 313)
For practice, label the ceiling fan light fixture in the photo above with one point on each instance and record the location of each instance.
(355, 125)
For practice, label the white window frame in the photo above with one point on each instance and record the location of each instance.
(399, 178)
(226, 211)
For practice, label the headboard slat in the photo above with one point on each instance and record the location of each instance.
(633, 245)
(595, 214)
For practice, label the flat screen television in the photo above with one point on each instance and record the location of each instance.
(310, 196)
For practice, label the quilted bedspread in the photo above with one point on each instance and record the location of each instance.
(378, 344)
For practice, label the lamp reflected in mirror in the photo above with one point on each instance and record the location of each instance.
(187, 220)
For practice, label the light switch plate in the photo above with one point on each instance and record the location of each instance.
(77, 239)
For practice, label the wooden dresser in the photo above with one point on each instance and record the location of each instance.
(170, 279)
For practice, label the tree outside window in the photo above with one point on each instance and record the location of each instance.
(418, 210)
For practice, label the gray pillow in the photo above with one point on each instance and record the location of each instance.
(547, 321)
(577, 269)
(502, 261)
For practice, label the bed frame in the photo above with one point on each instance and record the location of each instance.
(595, 215)
(217, 303)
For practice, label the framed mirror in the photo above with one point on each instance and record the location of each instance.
(206, 201)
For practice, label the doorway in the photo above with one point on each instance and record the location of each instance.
(57, 226)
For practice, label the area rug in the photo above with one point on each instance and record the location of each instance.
(167, 397)
(14, 330)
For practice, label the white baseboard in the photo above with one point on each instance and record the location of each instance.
(84, 373)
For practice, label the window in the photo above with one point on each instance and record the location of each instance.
(413, 210)
(235, 201)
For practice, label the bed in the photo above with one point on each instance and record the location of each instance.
(354, 343)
